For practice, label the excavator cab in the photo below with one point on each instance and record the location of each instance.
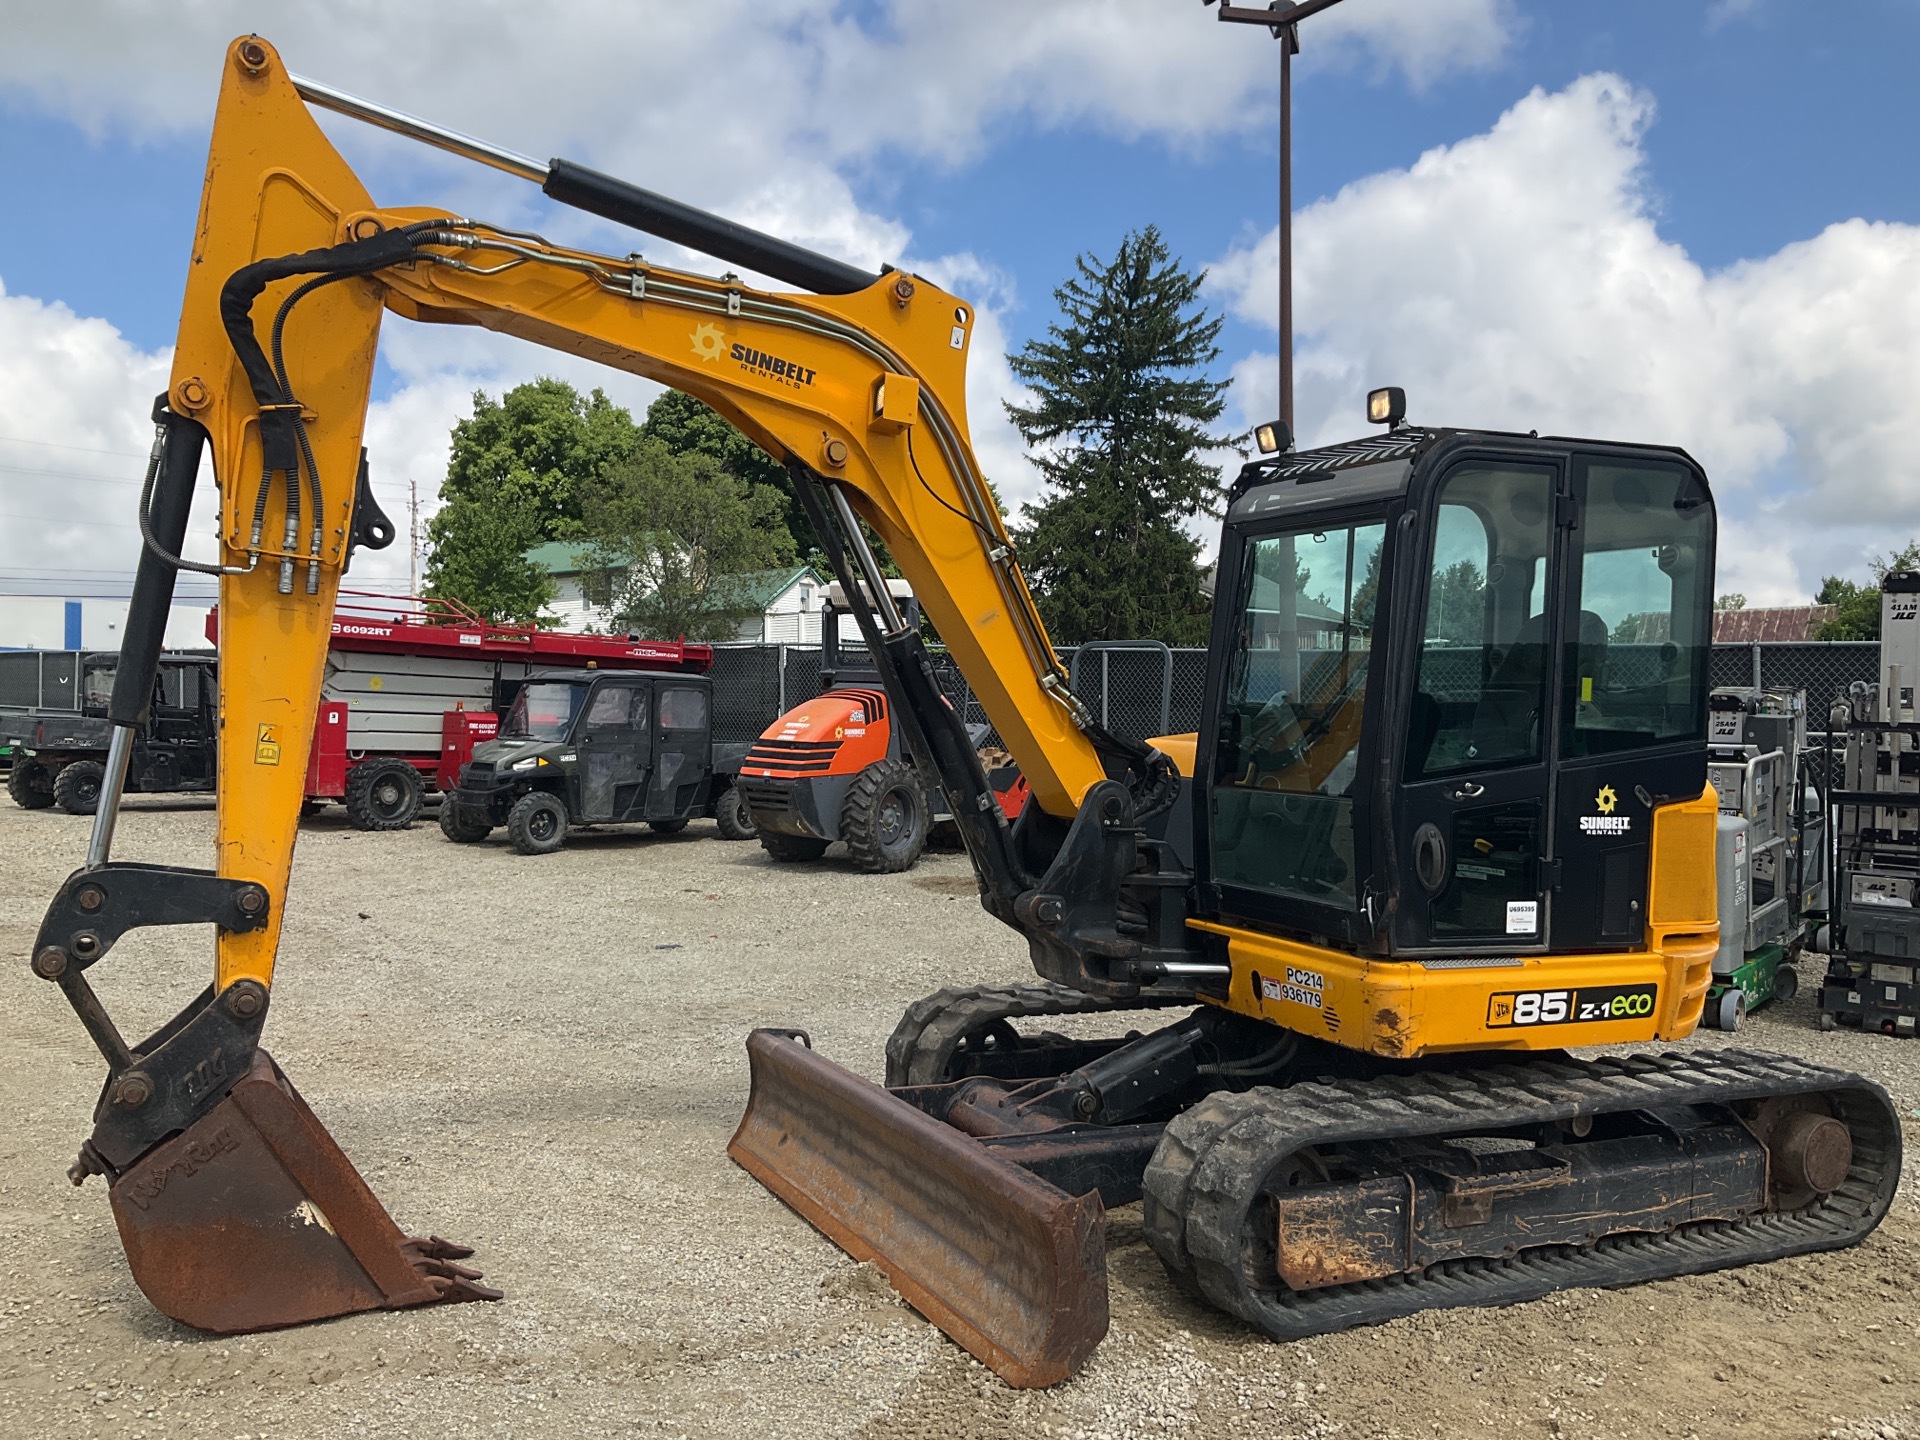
(1453, 676)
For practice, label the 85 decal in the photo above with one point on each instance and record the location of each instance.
(1571, 1007)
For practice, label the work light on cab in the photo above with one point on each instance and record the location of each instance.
(1273, 437)
(1387, 406)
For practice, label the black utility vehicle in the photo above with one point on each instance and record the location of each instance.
(59, 756)
(592, 747)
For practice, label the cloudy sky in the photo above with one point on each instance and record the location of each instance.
(1684, 221)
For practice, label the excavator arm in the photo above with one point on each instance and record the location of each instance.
(236, 1208)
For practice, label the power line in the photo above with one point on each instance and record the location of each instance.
(83, 449)
(70, 475)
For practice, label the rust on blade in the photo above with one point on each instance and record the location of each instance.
(253, 1218)
(1011, 1267)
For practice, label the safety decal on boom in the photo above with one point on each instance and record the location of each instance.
(1571, 1007)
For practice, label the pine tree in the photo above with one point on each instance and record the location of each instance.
(1120, 418)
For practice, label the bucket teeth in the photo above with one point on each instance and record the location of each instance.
(433, 1259)
(252, 1218)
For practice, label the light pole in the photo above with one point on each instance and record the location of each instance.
(1282, 21)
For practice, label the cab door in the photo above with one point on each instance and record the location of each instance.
(682, 743)
(1635, 644)
(613, 740)
(1473, 832)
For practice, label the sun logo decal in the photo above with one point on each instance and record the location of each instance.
(708, 342)
(1606, 800)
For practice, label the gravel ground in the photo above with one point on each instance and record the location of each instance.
(544, 1058)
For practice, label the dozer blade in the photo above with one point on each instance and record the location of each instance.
(1011, 1267)
(253, 1218)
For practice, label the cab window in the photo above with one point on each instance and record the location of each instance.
(1637, 651)
(542, 711)
(683, 709)
(612, 708)
(1481, 690)
(1286, 762)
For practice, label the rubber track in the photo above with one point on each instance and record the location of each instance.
(1205, 1178)
(923, 1044)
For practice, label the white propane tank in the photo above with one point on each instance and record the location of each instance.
(1731, 863)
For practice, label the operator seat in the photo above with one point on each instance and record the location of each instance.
(1506, 723)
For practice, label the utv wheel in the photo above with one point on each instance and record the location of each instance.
(77, 787)
(668, 827)
(30, 785)
(791, 847)
(537, 824)
(885, 818)
(384, 795)
(731, 814)
(462, 824)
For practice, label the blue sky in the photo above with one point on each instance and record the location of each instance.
(989, 147)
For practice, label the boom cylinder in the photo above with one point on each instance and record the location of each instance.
(700, 230)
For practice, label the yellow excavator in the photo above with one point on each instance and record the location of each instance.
(1445, 820)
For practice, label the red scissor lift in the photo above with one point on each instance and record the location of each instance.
(414, 684)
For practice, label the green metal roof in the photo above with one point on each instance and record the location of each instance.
(564, 557)
(758, 588)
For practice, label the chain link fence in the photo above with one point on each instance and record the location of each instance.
(1138, 689)
(1135, 689)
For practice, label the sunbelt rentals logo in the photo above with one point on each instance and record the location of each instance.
(1606, 822)
(710, 343)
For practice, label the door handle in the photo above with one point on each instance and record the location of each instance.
(1430, 858)
(1473, 789)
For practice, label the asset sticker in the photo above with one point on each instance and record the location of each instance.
(1302, 987)
(1523, 917)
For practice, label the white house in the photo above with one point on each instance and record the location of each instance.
(789, 600)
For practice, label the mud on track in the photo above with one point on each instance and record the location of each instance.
(544, 1058)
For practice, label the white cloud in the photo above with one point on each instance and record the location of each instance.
(75, 400)
(727, 89)
(770, 116)
(1725, 12)
(1517, 280)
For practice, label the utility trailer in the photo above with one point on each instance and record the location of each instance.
(412, 686)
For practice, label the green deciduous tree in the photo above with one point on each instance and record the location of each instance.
(1857, 606)
(477, 556)
(1457, 607)
(1120, 414)
(678, 526)
(516, 473)
(543, 443)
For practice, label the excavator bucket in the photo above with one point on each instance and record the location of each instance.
(1008, 1265)
(252, 1218)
